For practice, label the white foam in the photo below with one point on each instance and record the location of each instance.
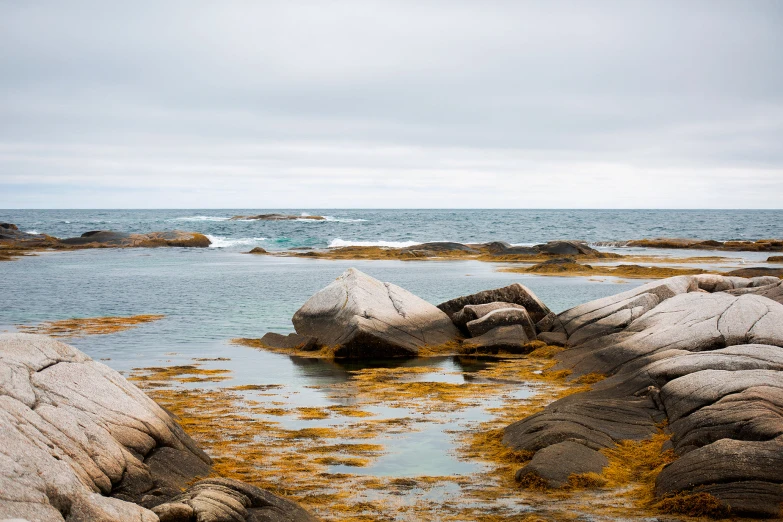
(389, 244)
(202, 218)
(32, 232)
(227, 242)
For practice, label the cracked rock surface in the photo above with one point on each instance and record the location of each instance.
(359, 316)
(703, 353)
(81, 443)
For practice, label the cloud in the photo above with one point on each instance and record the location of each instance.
(391, 104)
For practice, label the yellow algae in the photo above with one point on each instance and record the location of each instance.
(297, 463)
(78, 327)
(694, 505)
(184, 373)
(574, 269)
(313, 413)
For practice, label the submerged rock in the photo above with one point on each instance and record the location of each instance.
(704, 353)
(359, 316)
(81, 443)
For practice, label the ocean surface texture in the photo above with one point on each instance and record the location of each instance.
(406, 227)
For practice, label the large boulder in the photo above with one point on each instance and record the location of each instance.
(704, 353)
(80, 443)
(359, 316)
(514, 293)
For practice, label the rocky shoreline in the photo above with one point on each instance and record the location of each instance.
(15, 243)
(686, 370)
(695, 360)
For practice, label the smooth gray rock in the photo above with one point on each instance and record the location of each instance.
(359, 316)
(81, 443)
(704, 353)
(553, 338)
(515, 293)
(502, 317)
(511, 339)
(556, 463)
(472, 312)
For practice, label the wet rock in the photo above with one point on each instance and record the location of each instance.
(109, 238)
(440, 247)
(757, 271)
(511, 339)
(79, 442)
(515, 294)
(258, 250)
(556, 463)
(359, 316)
(503, 317)
(775, 259)
(566, 248)
(291, 341)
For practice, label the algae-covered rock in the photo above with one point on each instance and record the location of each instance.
(173, 238)
(359, 316)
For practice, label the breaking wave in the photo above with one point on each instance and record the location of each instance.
(227, 242)
(390, 244)
(201, 218)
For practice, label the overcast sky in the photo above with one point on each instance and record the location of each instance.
(334, 104)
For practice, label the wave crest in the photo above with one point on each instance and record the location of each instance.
(201, 218)
(227, 242)
(336, 243)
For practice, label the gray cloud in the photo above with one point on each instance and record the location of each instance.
(393, 104)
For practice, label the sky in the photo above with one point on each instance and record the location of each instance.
(398, 104)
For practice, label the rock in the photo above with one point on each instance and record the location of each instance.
(275, 217)
(226, 500)
(711, 364)
(559, 265)
(472, 312)
(772, 291)
(761, 245)
(174, 238)
(258, 250)
(556, 463)
(567, 248)
(443, 246)
(359, 316)
(79, 442)
(775, 259)
(515, 294)
(511, 339)
(11, 232)
(503, 317)
(553, 338)
(291, 341)
(757, 272)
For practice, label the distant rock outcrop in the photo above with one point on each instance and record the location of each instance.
(173, 238)
(80, 443)
(359, 316)
(275, 217)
